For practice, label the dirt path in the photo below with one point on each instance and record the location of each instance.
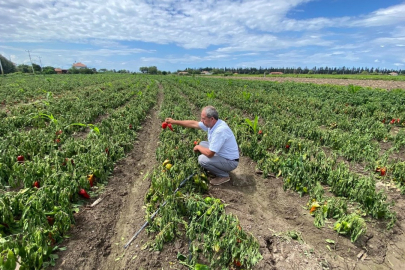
(383, 84)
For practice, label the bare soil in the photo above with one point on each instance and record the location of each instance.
(383, 84)
(262, 206)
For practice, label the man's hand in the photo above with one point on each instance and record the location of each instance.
(183, 123)
(203, 150)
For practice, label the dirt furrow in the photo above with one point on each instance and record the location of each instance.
(98, 237)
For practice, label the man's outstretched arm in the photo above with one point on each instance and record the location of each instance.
(183, 123)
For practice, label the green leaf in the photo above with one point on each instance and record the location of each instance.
(181, 257)
(330, 241)
(78, 124)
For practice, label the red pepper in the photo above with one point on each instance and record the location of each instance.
(195, 142)
(260, 131)
(64, 163)
(84, 194)
(20, 159)
(287, 146)
(170, 126)
(130, 126)
(237, 263)
(51, 238)
(91, 179)
(383, 171)
(164, 125)
(51, 220)
(36, 184)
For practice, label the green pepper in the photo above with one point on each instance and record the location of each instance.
(201, 267)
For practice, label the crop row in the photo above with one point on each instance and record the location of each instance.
(43, 178)
(214, 236)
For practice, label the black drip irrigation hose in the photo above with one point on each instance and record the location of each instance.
(155, 213)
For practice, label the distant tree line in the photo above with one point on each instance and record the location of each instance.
(153, 70)
(10, 67)
(295, 70)
(74, 70)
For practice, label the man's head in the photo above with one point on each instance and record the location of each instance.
(209, 116)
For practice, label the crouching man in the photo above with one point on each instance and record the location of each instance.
(220, 154)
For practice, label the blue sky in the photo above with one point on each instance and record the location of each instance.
(173, 35)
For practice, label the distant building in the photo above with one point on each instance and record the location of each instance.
(182, 73)
(393, 74)
(206, 72)
(276, 73)
(61, 71)
(79, 65)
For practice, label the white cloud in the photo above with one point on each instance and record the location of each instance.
(191, 24)
(393, 15)
(218, 30)
(386, 41)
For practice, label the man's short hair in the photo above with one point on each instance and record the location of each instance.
(210, 111)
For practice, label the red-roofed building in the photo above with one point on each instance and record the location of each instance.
(79, 65)
(61, 71)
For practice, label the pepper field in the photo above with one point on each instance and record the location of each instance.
(83, 166)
